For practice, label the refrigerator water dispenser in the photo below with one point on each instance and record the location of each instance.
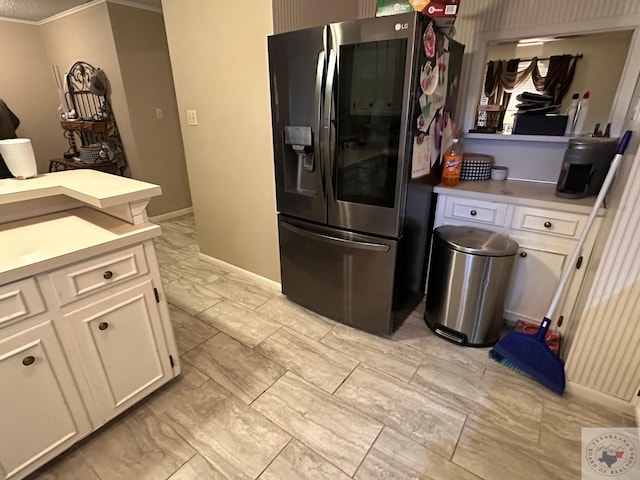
(299, 170)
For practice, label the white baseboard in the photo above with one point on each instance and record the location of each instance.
(171, 215)
(254, 276)
(603, 399)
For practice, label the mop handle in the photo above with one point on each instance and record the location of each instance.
(568, 270)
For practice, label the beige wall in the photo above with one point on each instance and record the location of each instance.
(28, 87)
(219, 59)
(143, 55)
(296, 14)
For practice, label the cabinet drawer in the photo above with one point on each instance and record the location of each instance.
(551, 222)
(475, 210)
(19, 300)
(98, 273)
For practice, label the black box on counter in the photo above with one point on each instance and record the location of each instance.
(544, 124)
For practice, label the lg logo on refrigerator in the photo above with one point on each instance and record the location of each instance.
(401, 26)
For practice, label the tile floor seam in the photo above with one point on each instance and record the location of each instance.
(291, 438)
(188, 460)
(335, 390)
(196, 346)
(464, 424)
(368, 450)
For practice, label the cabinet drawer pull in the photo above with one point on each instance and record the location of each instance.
(103, 325)
(523, 254)
(547, 224)
(473, 213)
(108, 274)
(26, 361)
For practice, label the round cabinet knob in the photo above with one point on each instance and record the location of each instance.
(103, 325)
(523, 254)
(547, 224)
(473, 213)
(108, 274)
(26, 361)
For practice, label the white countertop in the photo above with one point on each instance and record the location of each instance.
(43, 243)
(94, 188)
(532, 194)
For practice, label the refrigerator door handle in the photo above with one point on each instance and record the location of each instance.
(318, 114)
(376, 247)
(327, 151)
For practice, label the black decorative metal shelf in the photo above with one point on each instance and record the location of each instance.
(90, 121)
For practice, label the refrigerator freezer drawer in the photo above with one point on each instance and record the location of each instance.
(344, 276)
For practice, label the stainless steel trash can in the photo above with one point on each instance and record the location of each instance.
(469, 274)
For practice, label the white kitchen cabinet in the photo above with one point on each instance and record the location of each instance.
(84, 327)
(41, 411)
(546, 237)
(120, 341)
(534, 277)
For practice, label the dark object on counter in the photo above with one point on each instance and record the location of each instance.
(529, 354)
(469, 272)
(585, 166)
(483, 130)
(8, 124)
(548, 124)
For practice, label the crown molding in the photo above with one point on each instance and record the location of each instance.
(84, 6)
(15, 20)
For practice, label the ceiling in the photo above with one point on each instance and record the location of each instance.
(37, 10)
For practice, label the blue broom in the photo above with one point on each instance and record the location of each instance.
(529, 354)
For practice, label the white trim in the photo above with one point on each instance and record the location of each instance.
(627, 81)
(93, 3)
(254, 276)
(168, 216)
(608, 401)
(71, 11)
(17, 20)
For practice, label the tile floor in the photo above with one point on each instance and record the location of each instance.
(272, 391)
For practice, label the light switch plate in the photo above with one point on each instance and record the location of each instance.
(192, 118)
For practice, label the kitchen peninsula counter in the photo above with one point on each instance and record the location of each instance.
(62, 217)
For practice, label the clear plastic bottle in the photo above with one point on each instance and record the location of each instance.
(452, 164)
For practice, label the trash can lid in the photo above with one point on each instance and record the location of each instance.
(477, 241)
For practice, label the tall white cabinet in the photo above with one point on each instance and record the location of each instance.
(84, 326)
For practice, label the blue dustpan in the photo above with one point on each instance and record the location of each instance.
(529, 354)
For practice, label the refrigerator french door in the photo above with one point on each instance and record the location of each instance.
(343, 101)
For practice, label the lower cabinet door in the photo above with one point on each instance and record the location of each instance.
(121, 343)
(533, 284)
(41, 413)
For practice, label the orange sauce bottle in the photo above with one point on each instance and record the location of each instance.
(452, 164)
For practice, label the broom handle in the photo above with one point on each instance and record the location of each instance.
(568, 270)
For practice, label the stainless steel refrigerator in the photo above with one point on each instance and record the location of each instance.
(359, 111)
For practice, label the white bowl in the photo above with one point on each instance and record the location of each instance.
(17, 153)
(499, 173)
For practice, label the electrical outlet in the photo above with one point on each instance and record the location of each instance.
(159, 114)
(192, 118)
